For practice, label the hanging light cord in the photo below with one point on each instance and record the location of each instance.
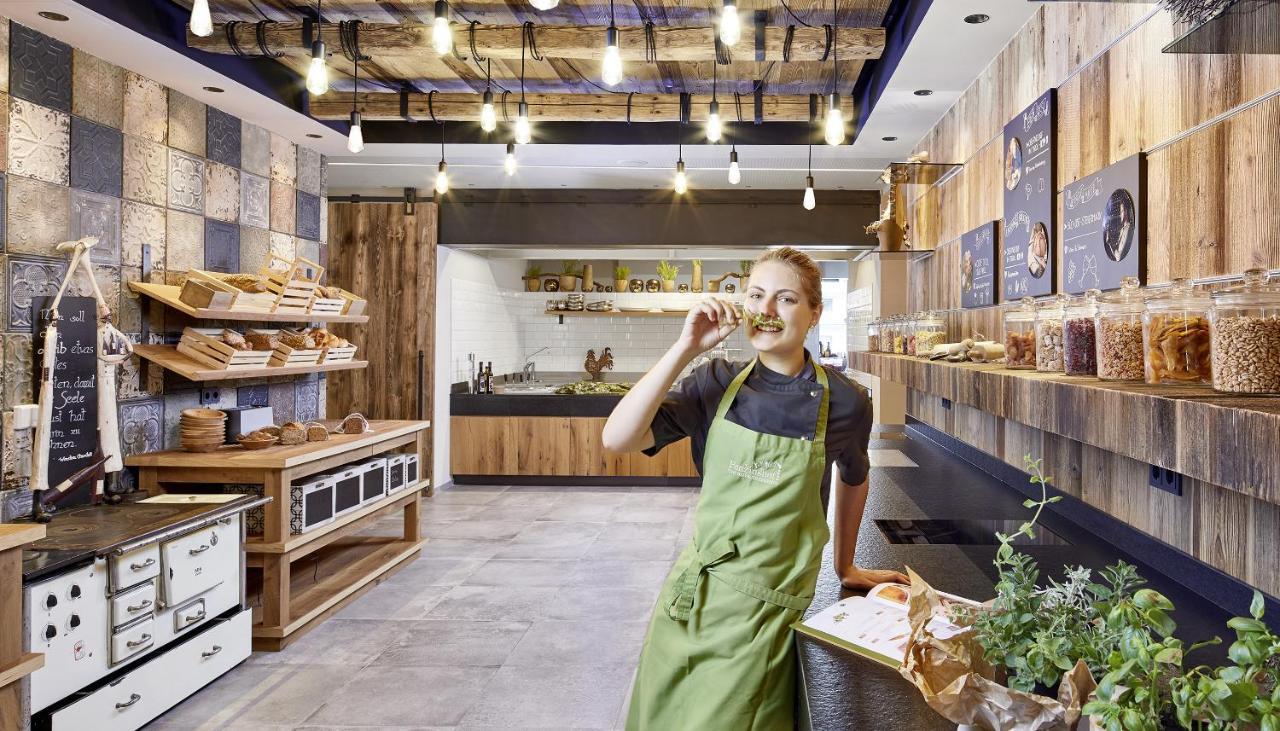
(441, 123)
(811, 159)
(835, 51)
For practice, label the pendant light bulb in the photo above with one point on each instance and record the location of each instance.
(355, 140)
(611, 67)
(735, 173)
(441, 32)
(714, 128)
(201, 21)
(730, 24)
(488, 117)
(317, 73)
(544, 4)
(810, 201)
(509, 164)
(524, 131)
(835, 121)
(682, 181)
(442, 178)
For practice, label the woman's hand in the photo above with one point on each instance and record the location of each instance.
(864, 579)
(708, 323)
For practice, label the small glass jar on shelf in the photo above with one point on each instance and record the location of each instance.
(1175, 336)
(1119, 332)
(1020, 335)
(1079, 341)
(888, 326)
(1049, 335)
(873, 336)
(1244, 325)
(911, 333)
(900, 335)
(931, 331)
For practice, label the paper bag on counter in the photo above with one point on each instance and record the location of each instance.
(957, 682)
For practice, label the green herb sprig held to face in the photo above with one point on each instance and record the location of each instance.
(761, 321)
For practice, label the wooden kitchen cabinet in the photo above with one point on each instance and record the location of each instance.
(553, 446)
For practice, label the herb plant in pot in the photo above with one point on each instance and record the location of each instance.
(620, 275)
(533, 278)
(668, 272)
(570, 272)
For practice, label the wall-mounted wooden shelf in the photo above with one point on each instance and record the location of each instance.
(168, 357)
(617, 313)
(169, 295)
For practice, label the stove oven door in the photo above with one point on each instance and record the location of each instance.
(199, 561)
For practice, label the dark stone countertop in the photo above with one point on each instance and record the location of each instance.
(504, 403)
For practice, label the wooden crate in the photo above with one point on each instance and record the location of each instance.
(339, 355)
(353, 304)
(328, 305)
(285, 355)
(205, 290)
(294, 291)
(202, 344)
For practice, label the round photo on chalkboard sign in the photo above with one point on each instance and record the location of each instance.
(966, 271)
(1117, 225)
(1013, 164)
(1038, 251)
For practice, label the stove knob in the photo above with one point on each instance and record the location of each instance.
(50, 601)
(74, 621)
(50, 632)
(75, 591)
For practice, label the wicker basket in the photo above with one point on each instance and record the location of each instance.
(203, 345)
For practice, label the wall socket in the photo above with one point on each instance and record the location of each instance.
(1165, 479)
(209, 397)
(946, 404)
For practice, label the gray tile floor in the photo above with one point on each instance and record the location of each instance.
(526, 611)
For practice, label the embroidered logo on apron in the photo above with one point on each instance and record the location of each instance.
(765, 471)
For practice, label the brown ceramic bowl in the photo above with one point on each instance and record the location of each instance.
(256, 443)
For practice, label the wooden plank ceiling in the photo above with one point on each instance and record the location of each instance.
(464, 73)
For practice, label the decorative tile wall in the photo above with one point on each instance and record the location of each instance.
(89, 148)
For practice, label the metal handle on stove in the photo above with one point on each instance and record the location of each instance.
(133, 698)
(195, 617)
(216, 649)
(143, 565)
(201, 549)
(139, 607)
(144, 639)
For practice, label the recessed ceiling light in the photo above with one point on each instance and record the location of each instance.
(977, 18)
(922, 92)
(50, 15)
(313, 135)
(889, 139)
(214, 89)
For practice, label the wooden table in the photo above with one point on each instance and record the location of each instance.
(294, 602)
(14, 663)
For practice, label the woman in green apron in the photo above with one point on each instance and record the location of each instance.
(719, 651)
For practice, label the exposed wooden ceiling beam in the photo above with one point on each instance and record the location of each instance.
(384, 40)
(452, 107)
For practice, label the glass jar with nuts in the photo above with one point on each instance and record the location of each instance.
(911, 334)
(873, 336)
(1049, 335)
(1079, 342)
(1244, 329)
(1118, 327)
(1020, 335)
(930, 331)
(1175, 336)
(900, 335)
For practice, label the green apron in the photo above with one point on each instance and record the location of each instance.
(719, 651)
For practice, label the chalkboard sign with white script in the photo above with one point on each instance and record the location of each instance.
(978, 266)
(1029, 207)
(73, 427)
(1103, 227)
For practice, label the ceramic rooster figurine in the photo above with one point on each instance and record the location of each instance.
(594, 366)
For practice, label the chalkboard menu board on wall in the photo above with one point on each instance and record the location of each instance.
(73, 427)
(978, 266)
(1103, 227)
(1029, 141)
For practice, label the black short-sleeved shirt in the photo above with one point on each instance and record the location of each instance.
(772, 403)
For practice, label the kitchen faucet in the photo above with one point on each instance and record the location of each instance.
(530, 371)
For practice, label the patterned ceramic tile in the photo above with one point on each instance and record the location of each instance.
(283, 208)
(39, 215)
(221, 246)
(3, 209)
(146, 171)
(255, 245)
(108, 278)
(255, 149)
(308, 249)
(324, 175)
(222, 137)
(96, 160)
(4, 57)
(221, 192)
(93, 214)
(184, 244)
(17, 367)
(308, 215)
(324, 220)
(97, 90)
(186, 123)
(174, 404)
(129, 380)
(324, 255)
(141, 225)
(142, 426)
(186, 182)
(30, 278)
(4, 127)
(282, 397)
(284, 160)
(282, 246)
(255, 200)
(308, 170)
(251, 396)
(39, 68)
(39, 142)
(129, 319)
(146, 108)
(306, 400)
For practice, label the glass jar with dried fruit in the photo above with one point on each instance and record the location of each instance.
(900, 335)
(1119, 332)
(1244, 328)
(1079, 344)
(873, 336)
(888, 327)
(1020, 335)
(1049, 334)
(911, 334)
(931, 330)
(1175, 336)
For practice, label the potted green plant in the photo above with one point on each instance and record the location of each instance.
(533, 278)
(668, 272)
(570, 272)
(620, 275)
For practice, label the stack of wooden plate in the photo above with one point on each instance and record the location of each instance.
(202, 430)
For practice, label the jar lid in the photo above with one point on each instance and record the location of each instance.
(1086, 305)
(1127, 299)
(1023, 309)
(1052, 309)
(929, 318)
(1181, 295)
(1257, 289)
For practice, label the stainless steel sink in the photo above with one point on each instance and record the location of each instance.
(528, 388)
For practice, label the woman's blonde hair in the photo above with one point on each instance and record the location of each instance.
(803, 265)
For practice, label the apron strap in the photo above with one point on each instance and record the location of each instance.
(820, 430)
(731, 392)
(705, 562)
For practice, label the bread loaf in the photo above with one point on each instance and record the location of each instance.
(354, 424)
(293, 433)
(234, 339)
(317, 432)
(262, 341)
(297, 340)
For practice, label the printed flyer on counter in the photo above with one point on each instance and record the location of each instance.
(876, 625)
